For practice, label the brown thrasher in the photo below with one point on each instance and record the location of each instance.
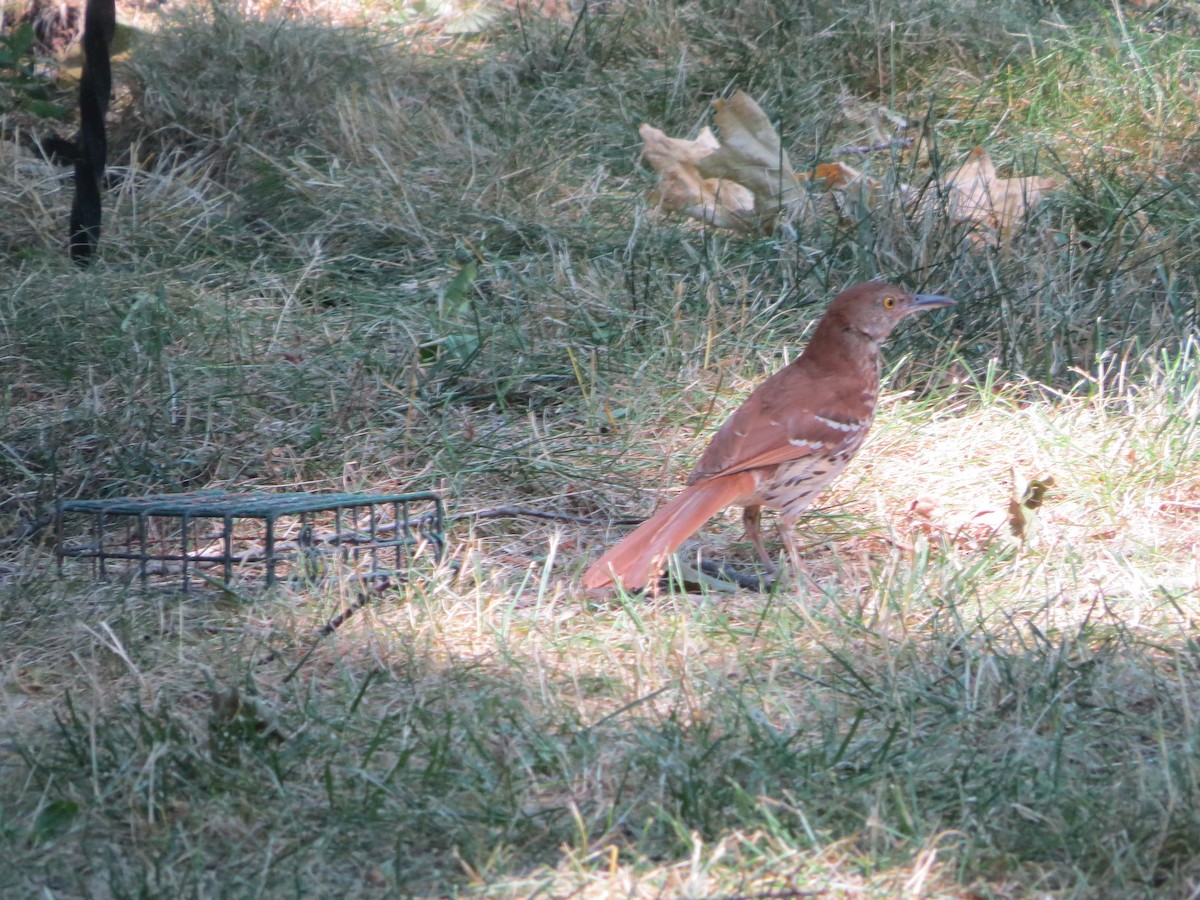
(793, 435)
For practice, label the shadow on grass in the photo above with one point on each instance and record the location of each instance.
(1029, 754)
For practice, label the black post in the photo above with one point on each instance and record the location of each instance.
(91, 150)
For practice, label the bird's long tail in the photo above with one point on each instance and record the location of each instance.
(639, 557)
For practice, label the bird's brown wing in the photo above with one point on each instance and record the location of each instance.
(790, 416)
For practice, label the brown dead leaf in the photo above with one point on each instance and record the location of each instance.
(839, 175)
(1024, 505)
(977, 195)
(662, 151)
(925, 507)
(681, 188)
(742, 182)
(752, 155)
(745, 181)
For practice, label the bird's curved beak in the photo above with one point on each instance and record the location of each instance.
(922, 302)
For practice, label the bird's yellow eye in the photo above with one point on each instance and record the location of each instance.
(889, 302)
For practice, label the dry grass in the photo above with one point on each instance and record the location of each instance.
(400, 257)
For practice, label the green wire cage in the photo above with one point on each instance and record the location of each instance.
(258, 537)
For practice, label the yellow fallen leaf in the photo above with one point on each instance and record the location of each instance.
(681, 188)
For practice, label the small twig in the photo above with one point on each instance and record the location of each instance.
(771, 895)
(503, 512)
(364, 596)
(632, 704)
(895, 143)
(228, 629)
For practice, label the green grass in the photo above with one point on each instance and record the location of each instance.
(388, 257)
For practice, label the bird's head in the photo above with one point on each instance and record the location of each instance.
(875, 309)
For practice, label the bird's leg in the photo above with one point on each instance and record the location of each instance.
(752, 522)
(787, 531)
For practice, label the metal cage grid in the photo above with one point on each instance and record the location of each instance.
(275, 534)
